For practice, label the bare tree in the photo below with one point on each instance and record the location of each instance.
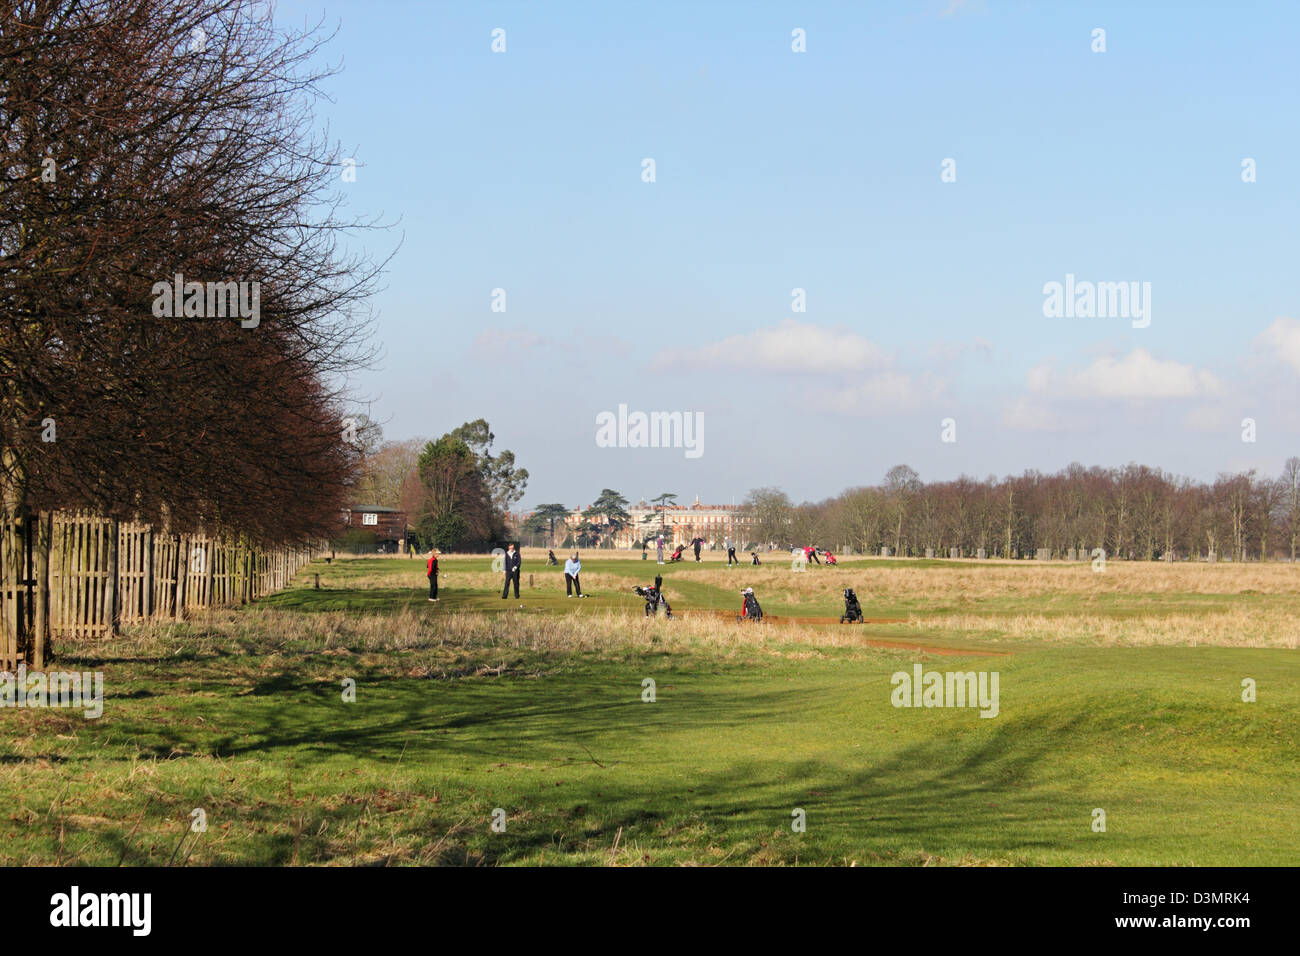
(1289, 505)
(384, 471)
(770, 513)
(901, 485)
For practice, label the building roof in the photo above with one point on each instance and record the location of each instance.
(375, 508)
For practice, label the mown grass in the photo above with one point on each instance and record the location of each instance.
(475, 704)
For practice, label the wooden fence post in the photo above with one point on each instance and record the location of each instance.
(147, 538)
(41, 626)
(182, 576)
(211, 551)
(8, 595)
(77, 574)
(112, 614)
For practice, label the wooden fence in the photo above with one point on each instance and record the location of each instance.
(98, 574)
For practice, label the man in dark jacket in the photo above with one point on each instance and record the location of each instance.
(697, 542)
(512, 563)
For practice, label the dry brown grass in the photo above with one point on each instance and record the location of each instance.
(595, 632)
(1243, 622)
(486, 580)
(1016, 579)
(992, 578)
(1241, 626)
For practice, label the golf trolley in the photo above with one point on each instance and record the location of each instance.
(852, 609)
(654, 599)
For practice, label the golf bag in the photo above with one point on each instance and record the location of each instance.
(654, 599)
(830, 558)
(749, 610)
(852, 609)
(677, 555)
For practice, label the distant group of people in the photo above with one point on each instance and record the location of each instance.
(810, 553)
(697, 543)
(512, 562)
(573, 566)
(653, 595)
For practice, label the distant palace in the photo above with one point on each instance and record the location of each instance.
(681, 524)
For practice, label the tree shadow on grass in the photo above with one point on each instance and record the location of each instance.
(510, 719)
(360, 600)
(1000, 789)
(998, 792)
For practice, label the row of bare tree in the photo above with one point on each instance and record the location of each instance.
(1132, 512)
(158, 144)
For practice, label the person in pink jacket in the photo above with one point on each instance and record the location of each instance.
(433, 575)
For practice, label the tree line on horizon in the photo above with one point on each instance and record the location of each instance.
(1134, 511)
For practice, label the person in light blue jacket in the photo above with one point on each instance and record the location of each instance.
(572, 567)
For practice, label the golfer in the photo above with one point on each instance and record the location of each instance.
(432, 574)
(572, 568)
(659, 548)
(513, 561)
(731, 552)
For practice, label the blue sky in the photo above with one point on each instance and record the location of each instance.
(820, 170)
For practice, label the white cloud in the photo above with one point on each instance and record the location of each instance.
(1283, 339)
(1031, 415)
(1138, 375)
(510, 340)
(883, 392)
(1039, 378)
(1211, 419)
(790, 346)
(952, 351)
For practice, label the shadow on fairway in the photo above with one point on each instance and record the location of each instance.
(361, 600)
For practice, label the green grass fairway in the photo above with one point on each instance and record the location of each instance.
(475, 704)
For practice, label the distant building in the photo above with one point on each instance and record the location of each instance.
(713, 523)
(681, 524)
(388, 525)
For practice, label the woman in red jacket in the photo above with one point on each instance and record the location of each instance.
(433, 575)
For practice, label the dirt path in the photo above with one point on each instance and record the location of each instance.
(894, 644)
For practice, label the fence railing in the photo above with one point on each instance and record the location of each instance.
(98, 574)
